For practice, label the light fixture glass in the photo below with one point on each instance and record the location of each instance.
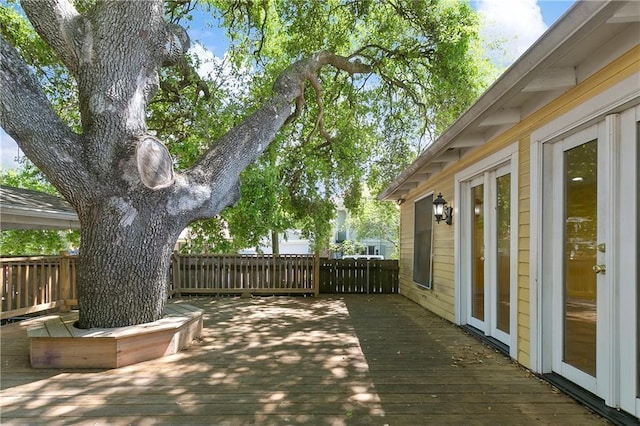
(441, 211)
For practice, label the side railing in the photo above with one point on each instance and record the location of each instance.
(237, 274)
(35, 284)
(359, 276)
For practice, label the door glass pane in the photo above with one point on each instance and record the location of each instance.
(580, 236)
(503, 220)
(477, 255)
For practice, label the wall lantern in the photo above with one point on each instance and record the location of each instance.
(441, 211)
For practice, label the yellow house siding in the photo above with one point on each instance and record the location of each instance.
(524, 209)
(406, 245)
(440, 299)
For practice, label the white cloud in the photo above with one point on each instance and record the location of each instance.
(211, 67)
(509, 27)
(208, 62)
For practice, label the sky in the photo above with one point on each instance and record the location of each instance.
(517, 23)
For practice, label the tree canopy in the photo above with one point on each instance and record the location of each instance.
(350, 130)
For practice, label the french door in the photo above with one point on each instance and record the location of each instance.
(489, 256)
(590, 257)
(580, 200)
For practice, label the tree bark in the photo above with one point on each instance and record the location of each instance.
(123, 264)
(275, 242)
(130, 203)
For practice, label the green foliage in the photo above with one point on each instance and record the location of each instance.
(28, 177)
(27, 241)
(376, 220)
(365, 129)
(348, 247)
(53, 76)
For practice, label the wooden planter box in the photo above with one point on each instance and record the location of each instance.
(56, 343)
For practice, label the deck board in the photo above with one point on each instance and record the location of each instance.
(57, 328)
(354, 360)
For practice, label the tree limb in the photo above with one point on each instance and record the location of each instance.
(27, 115)
(176, 46)
(220, 167)
(61, 27)
(319, 125)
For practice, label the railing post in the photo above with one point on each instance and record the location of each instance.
(368, 262)
(65, 280)
(316, 273)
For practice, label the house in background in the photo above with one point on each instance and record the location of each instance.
(369, 246)
(541, 175)
(290, 242)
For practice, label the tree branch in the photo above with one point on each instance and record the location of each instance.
(61, 27)
(176, 46)
(319, 125)
(26, 114)
(219, 169)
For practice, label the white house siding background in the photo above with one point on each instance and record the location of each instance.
(542, 174)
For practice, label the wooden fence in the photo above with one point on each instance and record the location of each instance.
(237, 274)
(35, 284)
(358, 276)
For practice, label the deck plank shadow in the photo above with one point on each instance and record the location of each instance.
(348, 360)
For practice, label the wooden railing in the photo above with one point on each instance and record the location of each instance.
(237, 274)
(34, 284)
(358, 276)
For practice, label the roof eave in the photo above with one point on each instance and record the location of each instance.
(558, 38)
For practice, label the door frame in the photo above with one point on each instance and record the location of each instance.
(553, 269)
(603, 107)
(628, 124)
(506, 157)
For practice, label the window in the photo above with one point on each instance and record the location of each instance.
(422, 241)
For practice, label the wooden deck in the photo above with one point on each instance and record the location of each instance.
(357, 360)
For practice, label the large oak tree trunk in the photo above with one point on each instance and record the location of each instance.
(123, 265)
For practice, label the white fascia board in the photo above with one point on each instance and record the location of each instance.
(553, 79)
(19, 211)
(502, 117)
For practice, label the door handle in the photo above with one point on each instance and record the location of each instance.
(599, 269)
